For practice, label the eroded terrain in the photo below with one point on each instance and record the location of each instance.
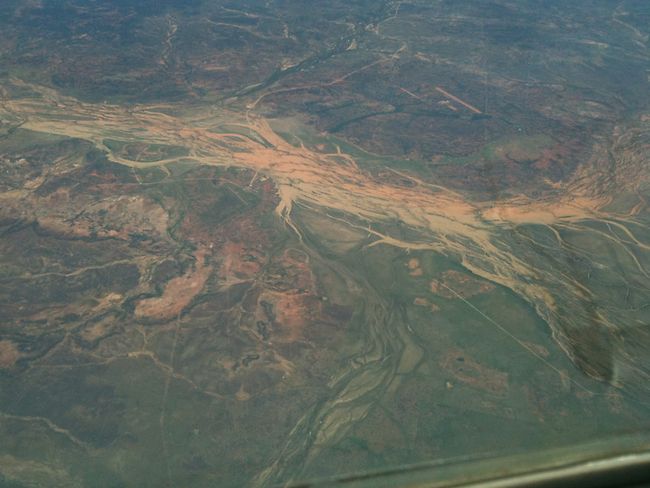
(349, 265)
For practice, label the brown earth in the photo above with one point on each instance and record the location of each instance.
(179, 292)
(240, 262)
(9, 354)
(292, 312)
(414, 267)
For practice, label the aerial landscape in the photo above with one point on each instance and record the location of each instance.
(261, 243)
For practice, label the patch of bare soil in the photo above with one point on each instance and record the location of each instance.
(289, 312)
(413, 265)
(179, 292)
(454, 284)
(9, 354)
(240, 262)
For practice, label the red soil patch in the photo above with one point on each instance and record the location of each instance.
(178, 294)
(421, 302)
(9, 354)
(245, 226)
(293, 312)
(557, 154)
(298, 268)
(240, 262)
(413, 265)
